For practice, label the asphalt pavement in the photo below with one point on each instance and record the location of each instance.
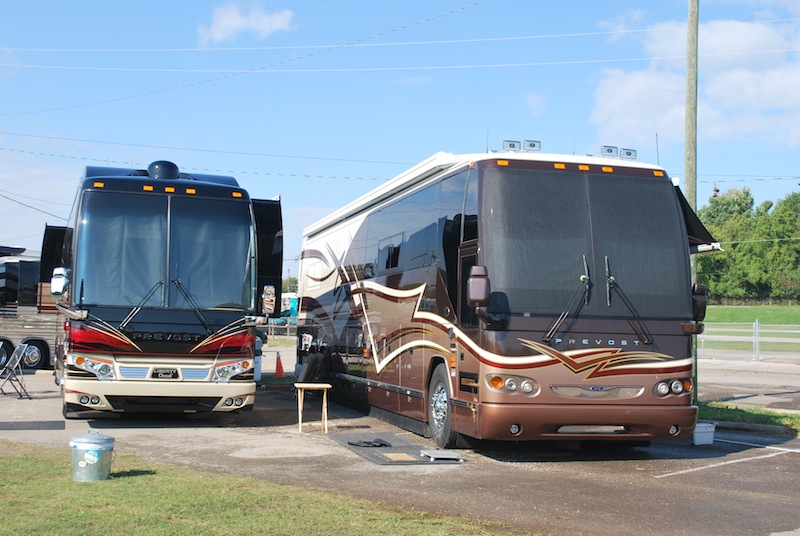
(744, 482)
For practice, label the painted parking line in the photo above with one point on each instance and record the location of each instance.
(779, 452)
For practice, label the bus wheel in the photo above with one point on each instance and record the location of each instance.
(35, 355)
(6, 349)
(440, 419)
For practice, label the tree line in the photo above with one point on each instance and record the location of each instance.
(761, 257)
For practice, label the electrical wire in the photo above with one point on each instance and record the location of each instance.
(249, 71)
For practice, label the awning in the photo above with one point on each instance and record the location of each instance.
(700, 240)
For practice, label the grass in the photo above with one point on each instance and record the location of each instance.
(40, 497)
(765, 314)
(718, 411)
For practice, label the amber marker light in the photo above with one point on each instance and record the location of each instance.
(608, 169)
(559, 166)
(502, 162)
(658, 173)
(99, 184)
(191, 191)
(236, 194)
(583, 167)
(147, 188)
(80, 360)
(169, 189)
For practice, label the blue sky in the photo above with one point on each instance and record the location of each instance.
(320, 101)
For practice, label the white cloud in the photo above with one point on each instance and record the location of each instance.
(229, 22)
(632, 107)
(536, 104)
(749, 80)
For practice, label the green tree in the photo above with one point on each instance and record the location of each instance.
(761, 250)
(289, 284)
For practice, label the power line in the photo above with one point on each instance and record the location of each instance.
(33, 208)
(37, 199)
(241, 153)
(201, 170)
(370, 45)
(271, 70)
(249, 71)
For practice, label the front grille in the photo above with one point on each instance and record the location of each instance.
(164, 404)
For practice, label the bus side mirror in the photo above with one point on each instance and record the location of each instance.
(699, 301)
(478, 287)
(268, 300)
(59, 281)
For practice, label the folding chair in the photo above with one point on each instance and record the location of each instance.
(12, 372)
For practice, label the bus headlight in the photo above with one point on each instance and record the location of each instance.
(678, 386)
(103, 369)
(508, 384)
(225, 371)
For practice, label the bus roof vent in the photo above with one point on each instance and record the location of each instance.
(162, 169)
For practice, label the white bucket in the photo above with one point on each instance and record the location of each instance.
(704, 433)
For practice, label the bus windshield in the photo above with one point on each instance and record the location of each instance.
(543, 230)
(169, 252)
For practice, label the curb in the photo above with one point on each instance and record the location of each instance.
(765, 429)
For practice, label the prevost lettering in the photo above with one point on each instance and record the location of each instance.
(166, 337)
(598, 342)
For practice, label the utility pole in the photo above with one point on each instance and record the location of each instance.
(690, 144)
(690, 163)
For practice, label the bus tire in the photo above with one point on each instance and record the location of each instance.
(440, 417)
(6, 349)
(36, 356)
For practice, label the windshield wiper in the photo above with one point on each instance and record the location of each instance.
(193, 303)
(638, 324)
(135, 311)
(582, 293)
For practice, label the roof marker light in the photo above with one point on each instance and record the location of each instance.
(191, 191)
(583, 167)
(99, 184)
(169, 189)
(147, 188)
(658, 173)
(559, 165)
(607, 169)
(502, 162)
(236, 194)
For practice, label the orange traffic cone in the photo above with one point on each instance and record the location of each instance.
(279, 367)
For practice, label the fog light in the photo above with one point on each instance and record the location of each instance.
(229, 402)
(673, 430)
(511, 384)
(95, 400)
(515, 429)
(239, 402)
(527, 387)
(84, 399)
(662, 389)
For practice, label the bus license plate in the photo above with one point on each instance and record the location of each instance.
(165, 374)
